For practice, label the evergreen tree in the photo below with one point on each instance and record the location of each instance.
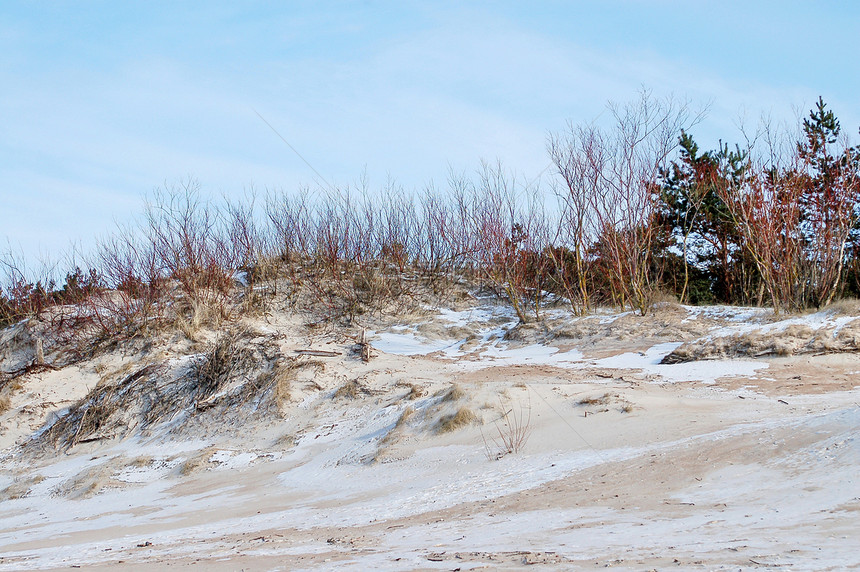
(827, 174)
(698, 224)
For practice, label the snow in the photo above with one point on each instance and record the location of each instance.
(233, 459)
(535, 354)
(705, 371)
(408, 343)
(737, 314)
(815, 321)
(146, 473)
(493, 351)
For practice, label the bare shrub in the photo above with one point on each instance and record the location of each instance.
(782, 223)
(184, 233)
(513, 429)
(569, 154)
(24, 291)
(509, 232)
(182, 249)
(611, 178)
(796, 206)
(765, 204)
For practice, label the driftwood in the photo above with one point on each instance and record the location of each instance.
(40, 352)
(364, 347)
(317, 353)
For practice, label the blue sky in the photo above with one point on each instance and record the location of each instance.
(101, 102)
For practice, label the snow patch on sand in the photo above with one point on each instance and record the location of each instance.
(705, 371)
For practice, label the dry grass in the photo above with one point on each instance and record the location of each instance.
(453, 393)
(605, 400)
(283, 386)
(5, 401)
(661, 297)
(196, 313)
(415, 391)
(404, 417)
(282, 377)
(223, 361)
(106, 411)
(108, 376)
(20, 488)
(598, 400)
(392, 436)
(286, 375)
(351, 390)
(285, 441)
(198, 462)
(845, 307)
(463, 417)
(89, 482)
(513, 429)
(94, 418)
(383, 450)
(795, 339)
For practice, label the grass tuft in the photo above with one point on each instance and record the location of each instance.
(223, 361)
(463, 417)
(454, 393)
(197, 462)
(600, 400)
(284, 377)
(351, 390)
(404, 417)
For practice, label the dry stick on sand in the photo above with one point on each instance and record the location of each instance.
(364, 347)
(40, 352)
(318, 353)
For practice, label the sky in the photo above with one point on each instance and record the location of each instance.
(103, 102)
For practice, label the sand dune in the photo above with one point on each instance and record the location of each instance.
(467, 441)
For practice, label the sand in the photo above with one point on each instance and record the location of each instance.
(729, 463)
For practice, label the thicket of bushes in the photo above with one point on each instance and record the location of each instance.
(638, 212)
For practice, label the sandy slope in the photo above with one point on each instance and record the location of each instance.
(718, 464)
